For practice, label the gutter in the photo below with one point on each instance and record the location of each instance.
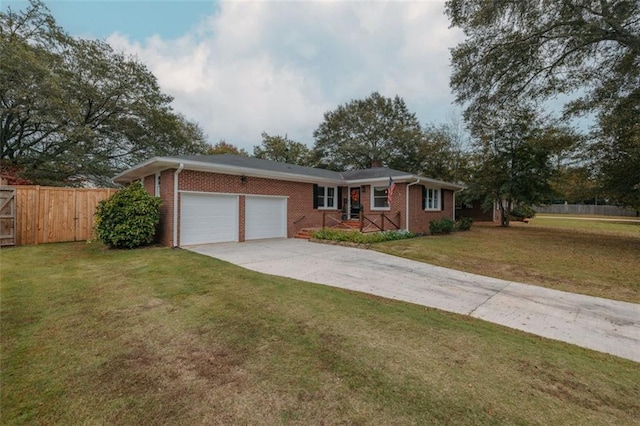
(406, 222)
(382, 179)
(175, 204)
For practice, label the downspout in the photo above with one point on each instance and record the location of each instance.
(175, 204)
(454, 202)
(454, 206)
(406, 222)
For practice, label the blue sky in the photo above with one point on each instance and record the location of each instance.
(239, 68)
(137, 20)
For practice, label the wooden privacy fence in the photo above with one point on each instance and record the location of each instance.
(50, 214)
(7, 216)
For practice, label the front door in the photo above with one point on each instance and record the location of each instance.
(354, 203)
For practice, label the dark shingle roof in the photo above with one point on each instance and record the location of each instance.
(373, 173)
(267, 168)
(260, 164)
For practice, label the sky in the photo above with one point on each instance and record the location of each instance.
(239, 68)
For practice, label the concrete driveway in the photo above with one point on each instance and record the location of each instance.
(600, 324)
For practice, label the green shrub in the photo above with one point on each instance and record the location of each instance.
(464, 224)
(522, 212)
(128, 218)
(361, 238)
(441, 226)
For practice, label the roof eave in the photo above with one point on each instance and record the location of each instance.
(151, 166)
(385, 179)
(407, 178)
(162, 163)
(157, 164)
(441, 183)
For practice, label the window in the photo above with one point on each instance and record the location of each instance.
(379, 198)
(326, 197)
(431, 199)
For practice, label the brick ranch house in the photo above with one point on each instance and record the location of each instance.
(222, 198)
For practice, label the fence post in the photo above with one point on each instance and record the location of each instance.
(36, 216)
(76, 219)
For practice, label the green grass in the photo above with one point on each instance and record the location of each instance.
(624, 226)
(149, 336)
(582, 256)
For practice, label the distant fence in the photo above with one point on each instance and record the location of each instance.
(586, 209)
(51, 214)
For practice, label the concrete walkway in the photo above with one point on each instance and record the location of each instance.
(600, 324)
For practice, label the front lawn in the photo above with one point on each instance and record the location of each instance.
(591, 257)
(161, 336)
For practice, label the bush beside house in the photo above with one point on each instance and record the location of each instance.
(129, 218)
(441, 226)
(521, 213)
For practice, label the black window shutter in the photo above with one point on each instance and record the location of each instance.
(339, 197)
(424, 197)
(315, 196)
(442, 199)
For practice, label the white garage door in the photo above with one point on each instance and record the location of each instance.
(265, 217)
(208, 218)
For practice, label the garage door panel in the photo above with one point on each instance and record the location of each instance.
(208, 218)
(265, 217)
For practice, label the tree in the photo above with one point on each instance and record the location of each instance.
(537, 49)
(440, 154)
(617, 151)
(74, 110)
(576, 184)
(374, 128)
(282, 149)
(223, 147)
(515, 159)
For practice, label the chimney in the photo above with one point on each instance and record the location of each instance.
(376, 163)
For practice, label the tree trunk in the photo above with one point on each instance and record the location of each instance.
(505, 212)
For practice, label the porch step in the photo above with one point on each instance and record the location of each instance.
(305, 233)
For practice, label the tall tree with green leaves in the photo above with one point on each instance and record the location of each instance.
(224, 147)
(515, 156)
(440, 154)
(536, 50)
(282, 149)
(74, 110)
(363, 130)
(617, 150)
(576, 184)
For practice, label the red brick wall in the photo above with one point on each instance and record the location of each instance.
(397, 204)
(166, 209)
(419, 218)
(149, 183)
(164, 234)
(300, 211)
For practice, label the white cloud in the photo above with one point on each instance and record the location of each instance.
(277, 67)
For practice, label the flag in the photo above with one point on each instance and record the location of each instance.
(390, 189)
